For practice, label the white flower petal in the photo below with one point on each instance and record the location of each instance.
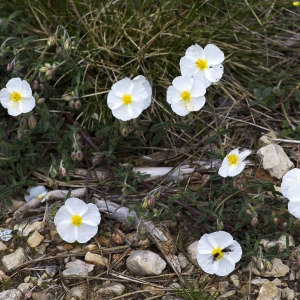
(226, 266)
(213, 54)
(294, 208)
(14, 84)
(86, 232)
(290, 185)
(4, 97)
(173, 94)
(207, 264)
(235, 252)
(77, 206)
(183, 83)
(66, 231)
(214, 73)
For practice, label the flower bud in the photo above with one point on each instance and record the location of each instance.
(49, 182)
(42, 87)
(62, 171)
(73, 155)
(41, 100)
(53, 172)
(124, 131)
(145, 202)
(260, 265)
(35, 85)
(49, 73)
(151, 201)
(254, 259)
(79, 155)
(51, 40)
(77, 104)
(254, 222)
(31, 122)
(43, 69)
(67, 97)
(268, 266)
(71, 104)
(67, 45)
(9, 66)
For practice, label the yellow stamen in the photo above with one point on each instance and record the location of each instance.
(15, 96)
(217, 253)
(186, 96)
(127, 99)
(232, 159)
(202, 64)
(76, 220)
(296, 3)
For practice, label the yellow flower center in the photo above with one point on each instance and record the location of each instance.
(127, 99)
(232, 159)
(202, 64)
(217, 253)
(76, 220)
(296, 3)
(15, 96)
(186, 96)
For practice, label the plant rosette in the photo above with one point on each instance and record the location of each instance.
(206, 64)
(128, 98)
(77, 221)
(233, 164)
(186, 94)
(17, 97)
(218, 252)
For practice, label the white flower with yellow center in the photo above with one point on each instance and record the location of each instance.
(186, 94)
(204, 63)
(233, 164)
(218, 252)
(77, 221)
(128, 98)
(17, 97)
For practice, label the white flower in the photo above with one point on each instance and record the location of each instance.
(77, 221)
(290, 185)
(17, 97)
(35, 191)
(217, 253)
(233, 164)
(128, 98)
(294, 208)
(204, 63)
(186, 94)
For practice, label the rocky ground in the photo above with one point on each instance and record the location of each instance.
(131, 258)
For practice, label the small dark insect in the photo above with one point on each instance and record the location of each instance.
(224, 251)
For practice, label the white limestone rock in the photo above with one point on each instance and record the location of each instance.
(275, 160)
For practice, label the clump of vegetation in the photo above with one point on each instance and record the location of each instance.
(71, 53)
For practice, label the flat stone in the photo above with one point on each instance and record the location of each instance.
(267, 139)
(35, 239)
(42, 296)
(14, 259)
(111, 290)
(145, 262)
(268, 291)
(3, 247)
(96, 259)
(275, 160)
(183, 261)
(77, 292)
(287, 293)
(77, 268)
(192, 251)
(25, 229)
(25, 287)
(227, 295)
(12, 294)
